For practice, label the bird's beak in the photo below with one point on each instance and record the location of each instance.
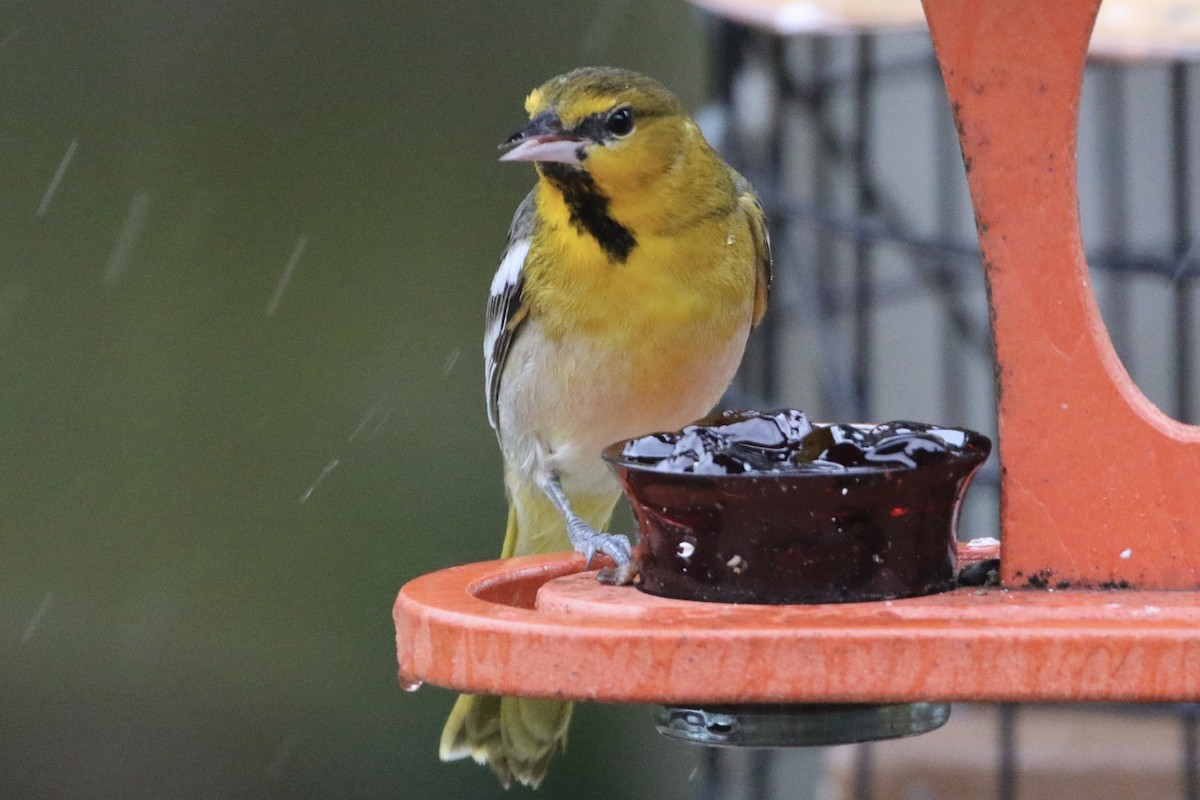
(562, 149)
(544, 139)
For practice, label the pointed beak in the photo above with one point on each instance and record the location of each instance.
(543, 140)
(561, 149)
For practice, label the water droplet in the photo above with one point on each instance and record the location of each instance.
(451, 360)
(286, 277)
(38, 616)
(58, 176)
(410, 684)
(131, 229)
(324, 474)
(362, 424)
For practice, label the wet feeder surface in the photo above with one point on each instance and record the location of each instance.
(765, 507)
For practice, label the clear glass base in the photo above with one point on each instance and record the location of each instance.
(803, 725)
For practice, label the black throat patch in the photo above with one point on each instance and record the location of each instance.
(589, 210)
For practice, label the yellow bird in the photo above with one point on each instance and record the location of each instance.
(634, 271)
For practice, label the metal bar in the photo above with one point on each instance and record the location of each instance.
(713, 782)
(1191, 741)
(954, 325)
(864, 262)
(1182, 210)
(829, 81)
(864, 772)
(762, 767)
(1007, 769)
(770, 329)
(730, 43)
(967, 255)
(833, 387)
(921, 248)
(726, 40)
(1114, 163)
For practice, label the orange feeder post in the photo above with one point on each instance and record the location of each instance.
(1099, 488)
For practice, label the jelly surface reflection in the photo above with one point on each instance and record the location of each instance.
(740, 442)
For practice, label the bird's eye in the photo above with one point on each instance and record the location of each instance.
(620, 122)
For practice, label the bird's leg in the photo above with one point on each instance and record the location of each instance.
(584, 538)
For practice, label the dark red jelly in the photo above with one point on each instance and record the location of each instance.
(763, 507)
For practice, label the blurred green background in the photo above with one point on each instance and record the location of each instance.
(244, 254)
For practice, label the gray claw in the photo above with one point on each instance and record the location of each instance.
(587, 541)
(622, 575)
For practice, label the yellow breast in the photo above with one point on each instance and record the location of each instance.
(676, 297)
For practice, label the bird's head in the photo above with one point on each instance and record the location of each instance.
(621, 128)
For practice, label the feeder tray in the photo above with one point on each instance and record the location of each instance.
(538, 626)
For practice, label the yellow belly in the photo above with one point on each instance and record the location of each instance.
(613, 351)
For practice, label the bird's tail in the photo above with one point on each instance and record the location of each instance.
(516, 736)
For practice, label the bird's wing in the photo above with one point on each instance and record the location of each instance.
(762, 245)
(506, 305)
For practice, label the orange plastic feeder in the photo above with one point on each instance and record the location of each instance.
(1100, 511)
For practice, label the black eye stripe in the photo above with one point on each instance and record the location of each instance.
(599, 128)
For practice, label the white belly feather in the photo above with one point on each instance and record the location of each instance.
(562, 402)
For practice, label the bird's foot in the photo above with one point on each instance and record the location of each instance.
(589, 541)
(620, 574)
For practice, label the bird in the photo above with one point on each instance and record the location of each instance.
(633, 274)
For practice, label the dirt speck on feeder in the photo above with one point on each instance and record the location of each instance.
(1041, 580)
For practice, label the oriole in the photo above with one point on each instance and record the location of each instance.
(634, 271)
